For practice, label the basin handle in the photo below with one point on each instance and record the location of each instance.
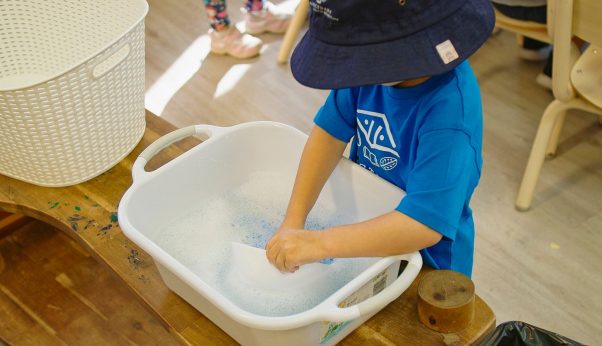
(334, 313)
(138, 171)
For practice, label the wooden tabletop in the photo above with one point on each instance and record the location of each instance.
(88, 213)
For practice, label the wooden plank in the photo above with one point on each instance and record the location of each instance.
(82, 302)
(63, 317)
(19, 328)
(84, 212)
(404, 331)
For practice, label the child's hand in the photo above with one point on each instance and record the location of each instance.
(290, 248)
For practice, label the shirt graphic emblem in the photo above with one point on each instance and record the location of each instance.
(375, 135)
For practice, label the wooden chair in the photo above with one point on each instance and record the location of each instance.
(577, 83)
(534, 30)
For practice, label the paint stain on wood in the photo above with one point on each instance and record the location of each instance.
(54, 205)
(90, 223)
(134, 259)
(77, 208)
(114, 217)
(75, 218)
(74, 221)
(105, 229)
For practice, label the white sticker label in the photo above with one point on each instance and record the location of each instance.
(447, 52)
(371, 288)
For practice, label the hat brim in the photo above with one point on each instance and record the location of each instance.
(321, 65)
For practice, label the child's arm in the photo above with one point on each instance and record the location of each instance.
(292, 246)
(389, 234)
(320, 156)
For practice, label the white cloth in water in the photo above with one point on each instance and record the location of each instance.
(251, 267)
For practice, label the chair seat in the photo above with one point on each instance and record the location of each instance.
(586, 75)
(530, 29)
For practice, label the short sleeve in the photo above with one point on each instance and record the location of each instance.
(337, 115)
(441, 181)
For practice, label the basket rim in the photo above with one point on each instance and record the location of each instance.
(97, 52)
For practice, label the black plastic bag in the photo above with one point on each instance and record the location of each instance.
(516, 333)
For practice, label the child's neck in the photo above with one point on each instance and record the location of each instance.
(411, 82)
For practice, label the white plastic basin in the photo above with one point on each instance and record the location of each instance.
(224, 161)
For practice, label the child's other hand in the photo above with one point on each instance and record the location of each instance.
(290, 248)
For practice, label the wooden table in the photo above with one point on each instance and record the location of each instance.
(88, 213)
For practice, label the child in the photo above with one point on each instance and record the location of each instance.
(403, 90)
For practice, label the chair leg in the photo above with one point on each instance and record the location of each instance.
(553, 144)
(293, 31)
(538, 152)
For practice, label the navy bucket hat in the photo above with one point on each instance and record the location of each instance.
(362, 42)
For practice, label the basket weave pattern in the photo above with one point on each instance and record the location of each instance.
(74, 126)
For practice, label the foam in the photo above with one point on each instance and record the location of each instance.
(250, 213)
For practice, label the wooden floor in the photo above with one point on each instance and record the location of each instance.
(542, 267)
(52, 292)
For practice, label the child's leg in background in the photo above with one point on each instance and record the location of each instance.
(261, 16)
(254, 5)
(217, 14)
(226, 38)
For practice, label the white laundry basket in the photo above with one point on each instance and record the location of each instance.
(71, 87)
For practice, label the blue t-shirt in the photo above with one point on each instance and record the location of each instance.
(425, 139)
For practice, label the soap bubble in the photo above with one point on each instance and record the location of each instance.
(250, 214)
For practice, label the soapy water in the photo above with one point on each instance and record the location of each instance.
(250, 214)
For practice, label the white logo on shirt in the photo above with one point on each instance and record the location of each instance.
(371, 125)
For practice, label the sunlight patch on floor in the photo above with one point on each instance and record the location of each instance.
(230, 79)
(186, 65)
